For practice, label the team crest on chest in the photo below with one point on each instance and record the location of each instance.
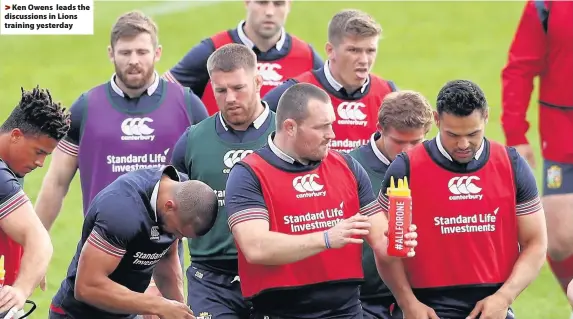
(154, 233)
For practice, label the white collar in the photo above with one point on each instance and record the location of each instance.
(257, 123)
(248, 42)
(446, 155)
(377, 152)
(335, 84)
(150, 90)
(282, 155)
(154, 199)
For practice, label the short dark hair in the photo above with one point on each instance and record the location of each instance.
(293, 103)
(352, 23)
(461, 98)
(197, 205)
(231, 57)
(37, 114)
(405, 110)
(132, 24)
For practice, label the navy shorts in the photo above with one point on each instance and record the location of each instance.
(378, 308)
(263, 316)
(557, 178)
(54, 315)
(397, 314)
(215, 295)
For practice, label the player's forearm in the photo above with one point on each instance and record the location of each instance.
(109, 296)
(274, 248)
(392, 272)
(525, 270)
(50, 199)
(168, 277)
(38, 251)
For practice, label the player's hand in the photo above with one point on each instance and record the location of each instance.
(411, 239)
(346, 231)
(11, 297)
(492, 307)
(175, 310)
(526, 152)
(418, 310)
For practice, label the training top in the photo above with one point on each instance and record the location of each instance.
(542, 47)
(12, 197)
(289, 57)
(470, 211)
(112, 134)
(245, 200)
(356, 112)
(207, 152)
(122, 221)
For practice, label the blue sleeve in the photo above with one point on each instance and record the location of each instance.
(317, 61)
(191, 71)
(70, 143)
(398, 169)
(526, 194)
(12, 195)
(243, 196)
(116, 224)
(179, 160)
(195, 107)
(368, 203)
(272, 97)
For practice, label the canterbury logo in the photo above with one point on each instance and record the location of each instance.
(137, 129)
(463, 188)
(307, 186)
(270, 73)
(233, 157)
(351, 113)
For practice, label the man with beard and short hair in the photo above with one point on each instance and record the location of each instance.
(280, 55)
(207, 152)
(127, 123)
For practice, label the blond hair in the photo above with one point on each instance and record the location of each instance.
(405, 110)
(231, 57)
(352, 23)
(132, 24)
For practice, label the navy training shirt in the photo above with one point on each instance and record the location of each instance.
(244, 201)
(122, 222)
(225, 132)
(12, 195)
(191, 70)
(327, 82)
(148, 100)
(450, 300)
(371, 156)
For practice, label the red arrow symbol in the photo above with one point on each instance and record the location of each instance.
(6, 7)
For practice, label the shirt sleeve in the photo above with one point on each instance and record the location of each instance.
(273, 96)
(12, 195)
(195, 107)
(398, 169)
(70, 144)
(244, 197)
(191, 71)
(527, 194)
(368, 203)
(179, 160)
(317, 61)
(526, 60)
(117, 223)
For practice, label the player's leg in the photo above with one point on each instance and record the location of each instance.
(378, 308)
(558, 206)
(213, 295)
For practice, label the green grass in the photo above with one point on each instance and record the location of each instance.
(425, 44)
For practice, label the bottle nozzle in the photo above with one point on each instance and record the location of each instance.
(402, 190)
(2, 270)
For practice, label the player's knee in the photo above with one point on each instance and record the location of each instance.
(570, 292)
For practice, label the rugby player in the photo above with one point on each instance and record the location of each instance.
(543, 47)
(356, 94)
(27, 137)
(404, 119)
(207, 152)
(130, 232)
(475, 201)
(280, 55)
(297, 211)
